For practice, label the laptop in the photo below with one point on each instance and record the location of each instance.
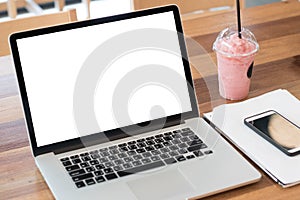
(111, 111)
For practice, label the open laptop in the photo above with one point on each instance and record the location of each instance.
(111, 111)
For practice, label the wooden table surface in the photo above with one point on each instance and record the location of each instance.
(277, 65)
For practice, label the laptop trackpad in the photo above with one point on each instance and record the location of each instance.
(165, 185)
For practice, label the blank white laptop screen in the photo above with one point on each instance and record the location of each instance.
(51, 64)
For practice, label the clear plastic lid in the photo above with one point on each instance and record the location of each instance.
(229, 44)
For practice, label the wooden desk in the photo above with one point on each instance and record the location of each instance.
(277, 28)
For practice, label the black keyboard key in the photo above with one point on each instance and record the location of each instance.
(84, 154)
(103, 149)
(64, 159)
(150, 142)
(95, 156)
(77, 172)
(90, 181)
(159, 140)
(137, 157)
(173, 147)
(90, 169)
(127, 165)
(177, 131)
(103, 160)
(150, 148)
(113, 147)
(82, 177)
(150, 138)
(136, 163)
(108, 170)
(158, 146)
(86, 158)
(142, 150)
(176, 141)
(173, 153)
(122, 149)
(76, 161)
(101, 166)
(140, 168)
(109, 164)
(194, 137)
(155, 158)
(132, 147)
(100, 179)
(75, 156)
(131, 142)
(194, 142)
(164, 156)
(111, 176)
(94, 152)
(72, 167)
(141, 144)
(208, 152)
(98, 173)
(147, 154)
(118, 168)
(146, 160)
(119, 162)
(105, 153)
(190, 156)
(168, 138)
(177, 136)
(128, 159)
(194, 148)
(80, 184)
(131, 153)
(112, 157)
(94, 162)
(186, 133)
(165, 150)
(168, 133)
(167, 144)
(85, 164)
(159, 136)
(185, 139)
(180, 158)
(114, 151)
(67, 163)
(186, 129)
(122, 145)
(182, 151)
(122, 155)
(198, 153)
(155, 152)
(170, 161)
(182, 145)
(141, 140)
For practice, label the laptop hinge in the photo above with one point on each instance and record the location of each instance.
(174, 123)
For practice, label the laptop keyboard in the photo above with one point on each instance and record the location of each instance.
(135, 156)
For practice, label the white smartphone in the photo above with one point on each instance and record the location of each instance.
(276, 129)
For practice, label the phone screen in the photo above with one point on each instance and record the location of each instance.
(277, 128)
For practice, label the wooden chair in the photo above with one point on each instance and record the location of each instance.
(189, 7)
(15, 25)
(31, 5)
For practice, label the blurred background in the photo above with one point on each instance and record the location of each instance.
(97, 8)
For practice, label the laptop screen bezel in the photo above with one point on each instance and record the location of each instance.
(114, 134)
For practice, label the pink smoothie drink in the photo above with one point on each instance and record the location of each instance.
(235, 58)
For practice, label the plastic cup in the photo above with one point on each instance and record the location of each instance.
(235, 58)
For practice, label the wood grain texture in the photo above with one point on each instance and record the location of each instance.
(277, 65)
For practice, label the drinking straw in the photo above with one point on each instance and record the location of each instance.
(238, 14)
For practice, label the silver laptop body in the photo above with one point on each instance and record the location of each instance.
(111, 111)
